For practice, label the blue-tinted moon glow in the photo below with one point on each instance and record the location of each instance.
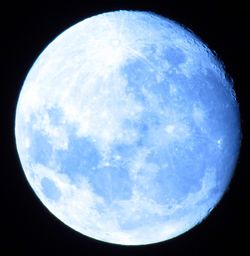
(127, 128)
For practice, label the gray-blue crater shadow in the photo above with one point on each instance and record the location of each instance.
(174, 56)
(79, 159)
(49, 189)
(141, 75)
(147, 121)
(112, 183)
(40, 149)
(125, 153)
(55, 115)
(82, 159)
(181, 168)
(138, 75)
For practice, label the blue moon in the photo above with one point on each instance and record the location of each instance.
(128, 128)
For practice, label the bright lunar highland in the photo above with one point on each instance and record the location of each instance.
(127, 128)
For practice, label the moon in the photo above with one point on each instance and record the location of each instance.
(128, 128)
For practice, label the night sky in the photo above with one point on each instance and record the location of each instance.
(27, 227)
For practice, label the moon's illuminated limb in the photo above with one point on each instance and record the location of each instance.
(127, 128)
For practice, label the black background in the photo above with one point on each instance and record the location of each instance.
(27, 228)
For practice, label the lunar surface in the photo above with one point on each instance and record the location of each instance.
(127, 128)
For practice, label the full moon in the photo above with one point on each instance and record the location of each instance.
(128, 128)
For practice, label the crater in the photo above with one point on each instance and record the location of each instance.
(40, 149)
(55, 115)
(50, 190)
(138, 75)
(174, 56)
(112, 183)
(79, 159)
